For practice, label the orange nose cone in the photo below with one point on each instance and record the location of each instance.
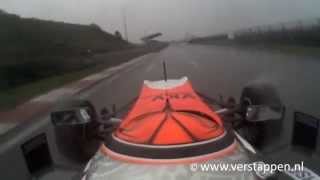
(169, 117)
(169, 123)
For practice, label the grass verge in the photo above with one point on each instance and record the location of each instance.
(12, 97)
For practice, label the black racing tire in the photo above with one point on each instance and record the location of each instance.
(258, 133)
(77, 143)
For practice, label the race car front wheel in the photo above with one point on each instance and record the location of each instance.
(257, 132)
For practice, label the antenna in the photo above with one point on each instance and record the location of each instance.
(165, 71)
(165, 79)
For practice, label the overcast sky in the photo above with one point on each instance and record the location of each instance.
(174, 18)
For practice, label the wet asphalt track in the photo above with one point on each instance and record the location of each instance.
(215, 70)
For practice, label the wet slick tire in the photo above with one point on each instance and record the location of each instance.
(260, 133)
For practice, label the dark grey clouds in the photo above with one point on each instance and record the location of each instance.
(174, 18)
